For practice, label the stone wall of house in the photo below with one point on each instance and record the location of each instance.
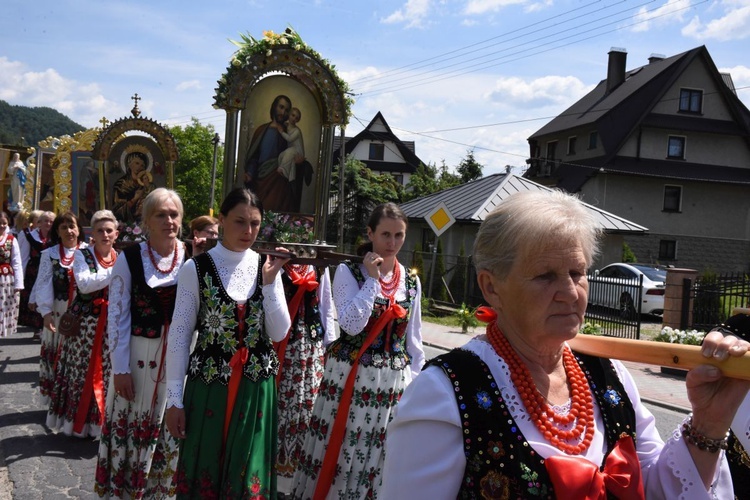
(718, 255)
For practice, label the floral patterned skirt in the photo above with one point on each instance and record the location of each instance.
(360, 461)
(70, 382)
(243, 467)
(298, 388)
(137, 454)
(8, 305)
(50, 353)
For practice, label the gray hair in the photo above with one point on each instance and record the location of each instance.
(103, 215)
(155, 199)
(534, 219)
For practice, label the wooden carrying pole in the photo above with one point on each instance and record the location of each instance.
(658, 353)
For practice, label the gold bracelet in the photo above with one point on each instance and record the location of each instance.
(702, 442)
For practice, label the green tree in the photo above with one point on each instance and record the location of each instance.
(469, 169)
(422, 182)
(193, 169)
(446, 178)
(418, 262)
(627, 254)
(363, 191)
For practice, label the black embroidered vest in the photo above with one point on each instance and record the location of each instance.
(219, 331)
(32, 266)
(389, 348)
(308, 322)
(150, 308)
(86, 304)
(61, 280)
(500, 463)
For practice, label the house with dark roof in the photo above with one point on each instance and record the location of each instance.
(666, 145)
(379, 148)
(470, 203)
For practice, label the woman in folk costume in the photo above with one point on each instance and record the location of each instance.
(78, 395)
(377, 355)
(11, 277)
(301, 357)
(32, 242)
(54, 292)
(137, 455)
(227, 414)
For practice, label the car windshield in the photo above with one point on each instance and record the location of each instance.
(653, 273)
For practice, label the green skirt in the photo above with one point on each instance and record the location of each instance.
(243, 467)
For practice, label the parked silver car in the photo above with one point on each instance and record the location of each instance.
(616, 286)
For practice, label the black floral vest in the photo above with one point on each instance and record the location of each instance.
(219, 334)
(500, 463)
(389, 348)
(61, 277)
(85, 304)
(32, 266)
(150, 308)
(307, 323)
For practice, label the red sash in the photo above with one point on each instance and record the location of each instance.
(306, 283)
(576, 477)
(237, 363)
(94, 383)
(328, 468)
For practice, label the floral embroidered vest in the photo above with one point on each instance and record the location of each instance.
(220, 334)
(500, 463)
(86, 304)
(32, 266)
(307, 323)
(62, 279)
(150, 308)
(5, 256)
(389, 349)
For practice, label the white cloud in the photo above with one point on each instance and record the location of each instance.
(476, 7)
(538, 93)
(539, 6)
(741, 79)
(733, 25)
(190, 84)
(413, 14)
(672, 11)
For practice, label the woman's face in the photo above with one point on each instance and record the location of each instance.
(543, 298)
(68, 233)
(241, 226)
(3, 223)
(44, 224)
(211, 231)
(165, 223)
(104, 234)
(388, 237)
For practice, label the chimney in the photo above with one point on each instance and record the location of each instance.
(616, 68)
(656, 58)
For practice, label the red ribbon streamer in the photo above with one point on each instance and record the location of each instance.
(328, 468)
(94, 384)
(236, 363)
(304, 284)
(577, 477)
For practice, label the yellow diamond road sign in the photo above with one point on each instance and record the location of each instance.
(440, 219)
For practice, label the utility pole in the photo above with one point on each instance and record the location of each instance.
(215, 142)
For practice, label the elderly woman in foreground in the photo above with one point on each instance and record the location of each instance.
(514, 413)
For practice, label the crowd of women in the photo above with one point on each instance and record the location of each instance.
(213, 371)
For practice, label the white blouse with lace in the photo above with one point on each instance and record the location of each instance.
(238, 272)
(88, 281)
(427, 423)
(118, 318)
(43, 292)
(354, 306)
(25, 247)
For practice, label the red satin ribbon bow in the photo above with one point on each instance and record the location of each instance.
(306, 283)
(94, 383)
(328, 467)
(576, 477)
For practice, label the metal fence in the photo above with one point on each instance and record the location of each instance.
(615, 306)
(713, 298)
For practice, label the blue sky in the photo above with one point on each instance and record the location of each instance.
(451, 75)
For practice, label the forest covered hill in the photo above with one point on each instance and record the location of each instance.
(25, 126)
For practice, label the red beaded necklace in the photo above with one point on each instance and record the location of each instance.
(104, 263)
(156, 263)
(546, 420)
(66, 261)
(389, 287)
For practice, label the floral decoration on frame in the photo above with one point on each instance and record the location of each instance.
(285, 228)
(130, 233)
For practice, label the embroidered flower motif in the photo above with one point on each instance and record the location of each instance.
(484, 400)
(494, 485)
(152, 364)
(613, 397)
(141, 364)
(495, 449)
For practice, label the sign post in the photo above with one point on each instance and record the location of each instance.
(439, 219)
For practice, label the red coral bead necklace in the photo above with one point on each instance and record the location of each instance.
(156, 263)
(66, 261)
(390, 286)
(106, 264)
(545, 418)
